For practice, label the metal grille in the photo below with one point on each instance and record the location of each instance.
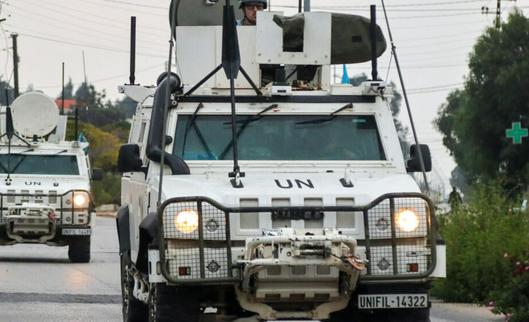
(202, 254)
(63, 204)
(198, 243)
(392, 247)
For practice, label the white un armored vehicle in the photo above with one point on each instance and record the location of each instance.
(45, 180)
(282, 196)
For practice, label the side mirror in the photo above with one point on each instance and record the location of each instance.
(129, 158)
(414, 163)
(97, 174)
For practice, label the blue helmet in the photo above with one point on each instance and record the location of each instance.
(242, 3)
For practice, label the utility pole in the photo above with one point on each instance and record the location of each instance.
(62, 96)
(15, 63)
(486, 10)
(84, 70)
(498, 15)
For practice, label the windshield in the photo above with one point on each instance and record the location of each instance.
(39, 164)
(279, 137)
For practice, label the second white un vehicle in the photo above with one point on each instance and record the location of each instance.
(44, 179)
(282, 196)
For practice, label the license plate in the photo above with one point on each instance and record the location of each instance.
(76, 231)
(392, 301)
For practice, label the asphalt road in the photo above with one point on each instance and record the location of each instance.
(37, 283)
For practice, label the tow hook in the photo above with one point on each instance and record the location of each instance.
(140, 291)
(357, 263)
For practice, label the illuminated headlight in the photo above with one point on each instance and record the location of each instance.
(80, 200)
(407, 220)
(186, 221)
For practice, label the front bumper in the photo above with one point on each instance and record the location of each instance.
(298, 267)
(43, 218)
(271, 271)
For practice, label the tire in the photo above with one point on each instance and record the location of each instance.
(171, 304)
(133, 309)
(79, 250)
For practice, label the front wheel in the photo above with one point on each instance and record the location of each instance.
(170, 304)
(133, 309)
(79, 249)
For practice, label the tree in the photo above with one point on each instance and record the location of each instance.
(127, 106)
(87, 97)
(473, 120)
(68, 90)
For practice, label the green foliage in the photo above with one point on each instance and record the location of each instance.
(107, 191)
(105, 127)
(127, 106)
(478, 236)
(104, 147)
(473, 120)
(513, 299)
(119, 129)
(88, 97)
(68, 90)
(101, 116)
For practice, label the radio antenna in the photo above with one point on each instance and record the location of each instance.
(167, 103)
(405, 95)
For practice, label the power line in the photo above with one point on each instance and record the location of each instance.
(443, 3)
(105, 78)
(466, 22)
(434, 16)
(68, 14)
(429, 4)
(117, 50)
(437, 43)
(435, 51)
(349, 10)
(83, 30)
(137, 4)
(32, 33)
(119, 7)
(441, 36)
(436, 87)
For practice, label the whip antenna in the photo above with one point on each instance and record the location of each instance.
(166, 105)
(394, 52)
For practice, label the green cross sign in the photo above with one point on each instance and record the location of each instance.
(517, 133)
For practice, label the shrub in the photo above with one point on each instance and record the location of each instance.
(107, 191)
(478, 235)
(513, 299)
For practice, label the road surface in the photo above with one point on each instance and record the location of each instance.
(37, 283)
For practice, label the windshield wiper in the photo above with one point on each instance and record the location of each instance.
(19, 162)
(245, 123)
(28, 150)
(4, 168)
(192, 124)
(328, 118)
(57, 153)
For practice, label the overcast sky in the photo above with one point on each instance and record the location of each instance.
(433, 40)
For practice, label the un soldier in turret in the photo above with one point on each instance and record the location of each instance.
(250, 8)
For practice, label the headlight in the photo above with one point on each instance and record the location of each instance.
(186, 221)
(407, 220)
(80, 200)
